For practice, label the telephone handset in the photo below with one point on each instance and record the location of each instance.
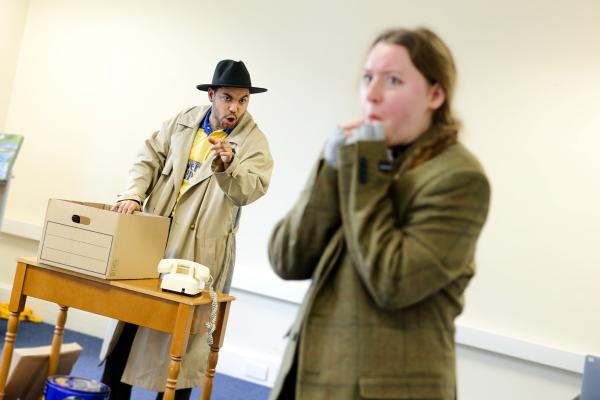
(190, 278)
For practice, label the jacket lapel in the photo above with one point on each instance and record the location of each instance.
(234, 138)
(203, 172)
(181, 143)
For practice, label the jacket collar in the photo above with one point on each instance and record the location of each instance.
(182, 143)
(194, 119)
(205, 124)
(402, 152)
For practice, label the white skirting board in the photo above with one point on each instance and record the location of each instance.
(21, 229)
(533, 352)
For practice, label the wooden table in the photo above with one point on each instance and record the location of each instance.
(139, 302)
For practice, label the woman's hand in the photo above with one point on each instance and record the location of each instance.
(351, 126)
(349, 133)
(362, 130)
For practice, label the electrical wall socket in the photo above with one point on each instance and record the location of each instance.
(256, 371)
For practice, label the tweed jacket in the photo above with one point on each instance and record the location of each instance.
(203, 227)
(389, 257)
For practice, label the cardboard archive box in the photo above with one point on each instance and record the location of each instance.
(90, 239)
(28, 371)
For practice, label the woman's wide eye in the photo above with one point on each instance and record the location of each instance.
(392, 80)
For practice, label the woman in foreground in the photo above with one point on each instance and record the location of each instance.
(386, 228)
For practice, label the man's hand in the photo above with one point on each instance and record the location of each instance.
(126, 207)
(222, 148)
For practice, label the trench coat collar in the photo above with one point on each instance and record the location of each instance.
(193, 121)
(182, 144)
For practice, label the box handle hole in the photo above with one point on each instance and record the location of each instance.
(79, 219)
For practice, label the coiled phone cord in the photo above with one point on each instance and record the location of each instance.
(211, 324)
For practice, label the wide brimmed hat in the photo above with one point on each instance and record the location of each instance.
(229, 73)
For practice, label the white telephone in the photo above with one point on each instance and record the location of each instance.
(183, 276)
(188, 277)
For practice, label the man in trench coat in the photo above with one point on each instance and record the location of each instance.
(200, 168)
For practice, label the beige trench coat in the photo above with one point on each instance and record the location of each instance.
(389, 257)
(203, 227)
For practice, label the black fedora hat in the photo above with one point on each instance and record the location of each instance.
(229, 73)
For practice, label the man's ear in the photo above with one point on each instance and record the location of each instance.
(437, 96)
(211, 94)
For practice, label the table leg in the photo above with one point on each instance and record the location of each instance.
(179, 341)
(9, 345)
(59, 330)
(16, 306)
(213, 356)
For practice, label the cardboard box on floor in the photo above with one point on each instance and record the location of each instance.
(29, 370)
(90, 239)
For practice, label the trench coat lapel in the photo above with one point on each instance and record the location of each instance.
(181, 144)
(205, 170)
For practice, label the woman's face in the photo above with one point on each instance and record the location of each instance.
(396, 94)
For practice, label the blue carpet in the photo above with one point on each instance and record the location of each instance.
(31, 334)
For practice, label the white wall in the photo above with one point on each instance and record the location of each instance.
(13, 14)
(488, 376)
(12, 24)
(94, 78)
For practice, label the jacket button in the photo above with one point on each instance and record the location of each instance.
(192, 227)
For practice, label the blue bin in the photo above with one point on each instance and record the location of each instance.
(60, 387)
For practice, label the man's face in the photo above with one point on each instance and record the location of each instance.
(228, 106)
